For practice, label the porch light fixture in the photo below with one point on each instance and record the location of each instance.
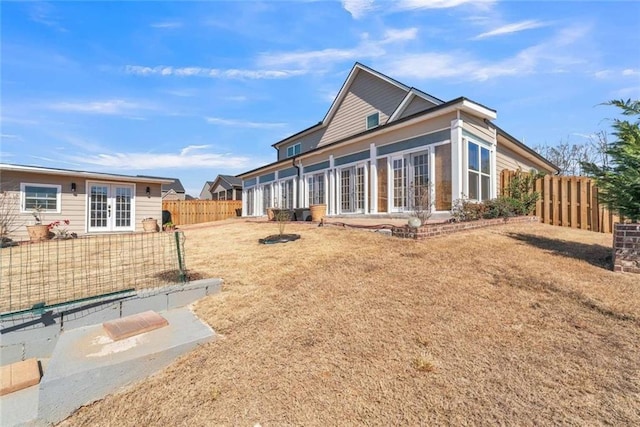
(73, 187)
(148, 191)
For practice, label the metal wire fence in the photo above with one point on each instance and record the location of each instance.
(59, 271)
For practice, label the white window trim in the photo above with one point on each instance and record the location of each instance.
(306, 177)
(366, 120)
(23, 185)
(492, 171)
(292, 147)
(338, 169)
(87, 197)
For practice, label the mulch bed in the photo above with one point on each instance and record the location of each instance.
(278, 238)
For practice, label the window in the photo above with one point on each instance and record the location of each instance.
(286, 195)
(266, 198)
(40, 196)
(294, 150)
(316, 189)
(373, 120)
(479, 174)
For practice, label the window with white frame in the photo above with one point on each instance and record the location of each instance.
(373, 120)
(41, 197)
(267, 201)
(250, 194)
(286, 194)
(479, 171)
(294, 150)
(315, 185)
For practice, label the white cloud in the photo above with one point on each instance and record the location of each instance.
(170, 25)
(358, 8)
(163, 70)
(602, 74)
(44, 13)
(111, 107)
(512, 28)
(630, 72)
(438, 4)
(189, 157)
(314, 60)
(189, 148)
(394, 35)
(627, 92)
(552, 56)
(9, 136)
(244, 123)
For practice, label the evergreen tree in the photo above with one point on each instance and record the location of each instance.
(619, 181)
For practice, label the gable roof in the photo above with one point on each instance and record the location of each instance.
(344, 89)
(230, 181)
(528, 152)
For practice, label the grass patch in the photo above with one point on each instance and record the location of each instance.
(341, 327)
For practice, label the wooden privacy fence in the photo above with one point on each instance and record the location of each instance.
(568, 201)
(184, 212)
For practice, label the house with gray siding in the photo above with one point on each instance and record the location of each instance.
(381, 139)
(226, 187)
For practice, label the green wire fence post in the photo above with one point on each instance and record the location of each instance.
(182, 276)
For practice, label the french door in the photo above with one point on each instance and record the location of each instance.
(110, 207)
(352, 189)
(410, 180)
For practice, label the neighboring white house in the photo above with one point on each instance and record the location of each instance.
(379, 139)
(93, 202)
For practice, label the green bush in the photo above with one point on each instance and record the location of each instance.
(502, 207)
(466, 210)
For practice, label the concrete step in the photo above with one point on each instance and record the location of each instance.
(87, 365)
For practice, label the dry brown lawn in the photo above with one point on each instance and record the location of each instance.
(515, 325)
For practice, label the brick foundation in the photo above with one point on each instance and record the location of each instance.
(626, 248)
(424, 232)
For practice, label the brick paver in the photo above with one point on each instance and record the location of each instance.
(19, 375)
(135, 324)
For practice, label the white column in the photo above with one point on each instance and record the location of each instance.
(294, 202)
(332, 188)
(457, 160)
(494, 166)
(374, 179)
(366, 189)
(244, 202)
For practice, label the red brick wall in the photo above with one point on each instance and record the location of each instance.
(424, 232)
(626, 248)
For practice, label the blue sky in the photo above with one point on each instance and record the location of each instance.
(195, 89)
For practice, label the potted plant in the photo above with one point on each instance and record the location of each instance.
(38, 231)
(168, 226)
(318, 212)
(150, 225)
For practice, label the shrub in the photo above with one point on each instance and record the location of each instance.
(519, 193)
(502, 207)
(466, 210)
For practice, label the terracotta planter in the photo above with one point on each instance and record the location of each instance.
(38, 232)
(318, 212)
(150, 225)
